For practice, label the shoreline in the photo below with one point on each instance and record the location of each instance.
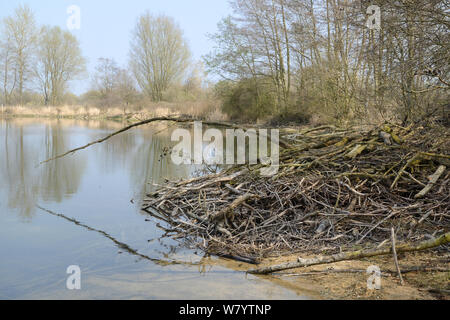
(426, 276)
(201, 109)
(116, 118)
(81, 113)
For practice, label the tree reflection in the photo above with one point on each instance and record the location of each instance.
(143, 154)
(26, 182)
(152, 164)
(61, 177)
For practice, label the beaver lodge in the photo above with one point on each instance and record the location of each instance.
(349, 193)
(336, 189)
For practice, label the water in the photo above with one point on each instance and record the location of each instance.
(101, 188)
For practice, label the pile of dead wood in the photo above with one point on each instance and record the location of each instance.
(336, 189)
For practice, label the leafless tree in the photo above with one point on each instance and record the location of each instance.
(59, 61)
(159, 54)
(19, 44)
(8, 74)
(114, 84)
(320, 56)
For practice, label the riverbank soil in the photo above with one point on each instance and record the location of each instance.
(348, 279)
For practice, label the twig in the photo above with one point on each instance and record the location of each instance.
(376, 226)
(394, 253)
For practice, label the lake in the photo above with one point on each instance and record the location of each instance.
(79, 210)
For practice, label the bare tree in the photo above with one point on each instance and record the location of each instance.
(255, 44)
(59, 61)
(114, 85)
(159, 54)
(321, 56)
(194, 81)
(8, 74)
(105, 75)
(125, 87)
(104, 80)
(21, 36)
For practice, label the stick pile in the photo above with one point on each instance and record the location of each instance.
(335, 189)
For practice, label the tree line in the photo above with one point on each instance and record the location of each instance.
(305, 57)
(45, 58)
(37, 64)
(287, 59)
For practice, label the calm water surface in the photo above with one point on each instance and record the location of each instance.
(102, 188)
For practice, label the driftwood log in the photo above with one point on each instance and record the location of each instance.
(333, 190)
(355, 255)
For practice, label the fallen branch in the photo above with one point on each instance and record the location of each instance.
(134, 125)
(433, 179)
(400, 173)
(425, 217)
(228, 211)
(376, 226)
(356, 151)
(404, 270)
(355, 255)
(248, 260)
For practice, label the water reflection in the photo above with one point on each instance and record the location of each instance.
(145, 154)
(60, 178)
(142, 153)
(155, 165)
(25, 182)
(91, 190)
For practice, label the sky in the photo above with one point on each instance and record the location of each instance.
(105, 26)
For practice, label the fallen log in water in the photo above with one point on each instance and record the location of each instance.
(148, 121)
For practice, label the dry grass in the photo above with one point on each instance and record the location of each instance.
(203, 109)
(65, 111)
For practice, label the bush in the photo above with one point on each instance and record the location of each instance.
(290, 117)
(247, 100)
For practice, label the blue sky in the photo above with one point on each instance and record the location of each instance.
(106, 25)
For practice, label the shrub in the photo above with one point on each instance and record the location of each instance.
(247, 100)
